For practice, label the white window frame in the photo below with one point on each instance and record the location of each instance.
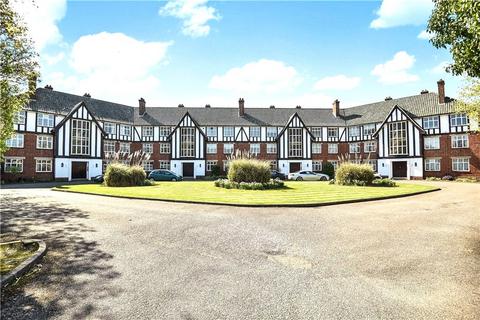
(255, 148)
(228, 132)
(164, 148)
(44, 164)
(432, 122)
(108, 147)
(212, 132)
(397, 138)
(431, 143)
(295, 142)
(225, 149)
(147, 147)
(17, 140)
(316, 147)
(124, 147)
(316, 132)
(333, 148)
(272, 132)
(164, 164)
(271, 148)
(455, 163)
(80, 137)
(211, 148)
(13, 162)
(332, 132)
(459, 141)
(354, 147)
(45, 120)
(369, 129)
(20, 118)
(255, 132)
(110, 128)
(273, 165)
(125, 130)
(210, 164)
(373, 163)
(369, 146)
(187, 142)
(334, 163)
(164, 131)
(147, 131)
(354, 131)
(147, 165)
(317, 165)
(459, 119)
(44, 142)
(432, 164)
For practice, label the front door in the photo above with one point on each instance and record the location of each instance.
(295, 166)
(399, 169)
(79, 170)
(188, 169)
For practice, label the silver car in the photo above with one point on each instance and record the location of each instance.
(308, 176)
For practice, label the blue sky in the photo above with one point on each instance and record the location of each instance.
(197, 52)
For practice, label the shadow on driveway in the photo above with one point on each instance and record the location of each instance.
(73, 263)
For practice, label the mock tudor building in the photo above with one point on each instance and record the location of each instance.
(64, 136)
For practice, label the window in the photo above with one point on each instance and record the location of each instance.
(317, 166)
(165, 165)
(271, 132)
(398, 138)
(124, 147)
(109, 147)
(43, 165)
(80, 137)
(125, 130)
(255, 148)
(226, 164)
(354, 131)
(44, 142)
(165, 148)
(19, 118)
(110, 128)
(147, 165)
(13, 165)
(461, 164)
(16, 141)
(211, 131)
(211, 148)
(295, 142)
(164, 131)
(332, 148)
(317, 132)
(332, 133)
(273, 164)
(228, 148)
(334, 164)
(460, 141)
(210, 164)
(271, 148)
(373, 164)
(228, 132)
(316, 148)
(431, 143)
(187, 142)
(369, 146)
(255, 132)
(460, 119)
(45, 120)
(430, 122)
(147, 147)
(147, 131)
(432, 164)
(354, 147)
(369, 129)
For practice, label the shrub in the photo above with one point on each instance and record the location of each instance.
(216, 171)
(447, 177)
(120, 175)
(384, 183)
(433, 179)
(227, 184)
(249, 170)
(329, 170)
(352, 174)
(467, 179)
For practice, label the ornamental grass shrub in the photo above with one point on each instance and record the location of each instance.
(120, 175)
(248, 170)
(353, 174)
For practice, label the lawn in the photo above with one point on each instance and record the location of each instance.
(295, 193)
(13, 254)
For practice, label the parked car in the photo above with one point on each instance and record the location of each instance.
(377, 176)
(164, 175)
(308, 176)
(275, 174)
(98, 179)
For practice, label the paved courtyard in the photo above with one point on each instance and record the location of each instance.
(410, 258)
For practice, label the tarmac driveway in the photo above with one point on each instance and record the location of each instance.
(408, 258)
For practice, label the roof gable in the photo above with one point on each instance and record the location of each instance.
(402, 112)
(72, 112)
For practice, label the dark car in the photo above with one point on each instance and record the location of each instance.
(164, 175)
(98, 179)
(275, 174)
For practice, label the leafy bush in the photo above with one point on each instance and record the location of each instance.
(249, 170)
(120, 175)
(467, 179)
(433, 179)
(447, 177)
(216, 171)
(227, 184)
(352, 174)
(328, 169)
(384, 183)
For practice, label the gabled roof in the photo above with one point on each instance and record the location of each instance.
(75, 108)
(285, 127)
(186, 114)
(404, 113)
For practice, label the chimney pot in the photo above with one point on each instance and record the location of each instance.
(181, 105)
(298, 107)
(272, 107)
(241, 107)
(142, 106)
(49, 87)
(388, 98)
(441, 91)
(207, 106)
(87, 95)
(336, 108)
(424, 91)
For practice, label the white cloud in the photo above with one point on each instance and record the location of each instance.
(264, 75)
(394, 13)
(338, 82)
(112, 66)
(194, 13)
(395, 71)
(41, 18)
(440, 68)
(424, 35)
(53, 59)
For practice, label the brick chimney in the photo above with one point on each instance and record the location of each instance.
(141, 106)
(241, 107)
(336, 108)
(441, 91)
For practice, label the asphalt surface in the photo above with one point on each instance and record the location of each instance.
(410, 258)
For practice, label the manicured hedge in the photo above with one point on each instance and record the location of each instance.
(227, 184)
(120, 175)
(249, 170)
(384, 183)
(353, 174)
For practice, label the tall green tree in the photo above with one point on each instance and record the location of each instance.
(469, 101)
(455, 24)
(18, 66)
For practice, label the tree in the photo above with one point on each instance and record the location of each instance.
(18, 66)
(469, 101)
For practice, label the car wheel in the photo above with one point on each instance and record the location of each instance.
(323, 178)
(299, 179)
(174, 179)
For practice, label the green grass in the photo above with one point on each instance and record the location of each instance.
(295, 193)
(12, 254)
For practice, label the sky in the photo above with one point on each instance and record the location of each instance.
(197, 52)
